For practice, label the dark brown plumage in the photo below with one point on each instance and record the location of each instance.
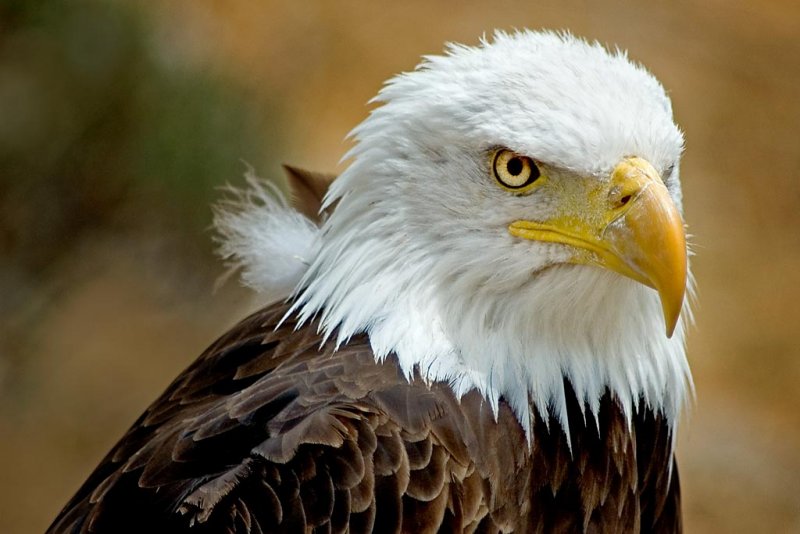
(269, 432)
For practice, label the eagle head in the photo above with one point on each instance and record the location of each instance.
(511, 220)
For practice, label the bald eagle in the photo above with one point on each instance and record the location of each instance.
(479, 328)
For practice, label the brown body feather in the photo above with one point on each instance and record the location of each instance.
(308, 189)
(270, 432)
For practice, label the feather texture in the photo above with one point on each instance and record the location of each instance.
(272, 243)
(324, 441)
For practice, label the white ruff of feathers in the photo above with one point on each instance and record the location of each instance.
(261, 235)
(417, 252)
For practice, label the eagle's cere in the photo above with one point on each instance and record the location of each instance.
(483, 324)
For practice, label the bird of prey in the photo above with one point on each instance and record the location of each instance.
(477, 327)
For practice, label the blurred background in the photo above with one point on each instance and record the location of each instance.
(120, 120)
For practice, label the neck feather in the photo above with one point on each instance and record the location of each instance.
(513, 342)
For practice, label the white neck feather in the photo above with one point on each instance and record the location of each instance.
(512, 341)
(593, 327)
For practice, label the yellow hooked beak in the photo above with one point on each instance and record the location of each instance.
(628, 225)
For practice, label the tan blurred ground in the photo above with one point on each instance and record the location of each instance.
(117, 320)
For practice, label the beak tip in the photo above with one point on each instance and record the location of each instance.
(672, 314)
(670, 331)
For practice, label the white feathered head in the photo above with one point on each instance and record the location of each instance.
(511, 218)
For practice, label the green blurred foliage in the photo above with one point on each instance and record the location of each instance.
(101, 132)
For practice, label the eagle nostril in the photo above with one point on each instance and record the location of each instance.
(619, 199)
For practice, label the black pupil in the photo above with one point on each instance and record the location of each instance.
(514, 166)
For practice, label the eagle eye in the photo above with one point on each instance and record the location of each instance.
(513, 171)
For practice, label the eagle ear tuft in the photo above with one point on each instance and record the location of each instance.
(308, 189)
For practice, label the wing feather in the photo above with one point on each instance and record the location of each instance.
(270, 431)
